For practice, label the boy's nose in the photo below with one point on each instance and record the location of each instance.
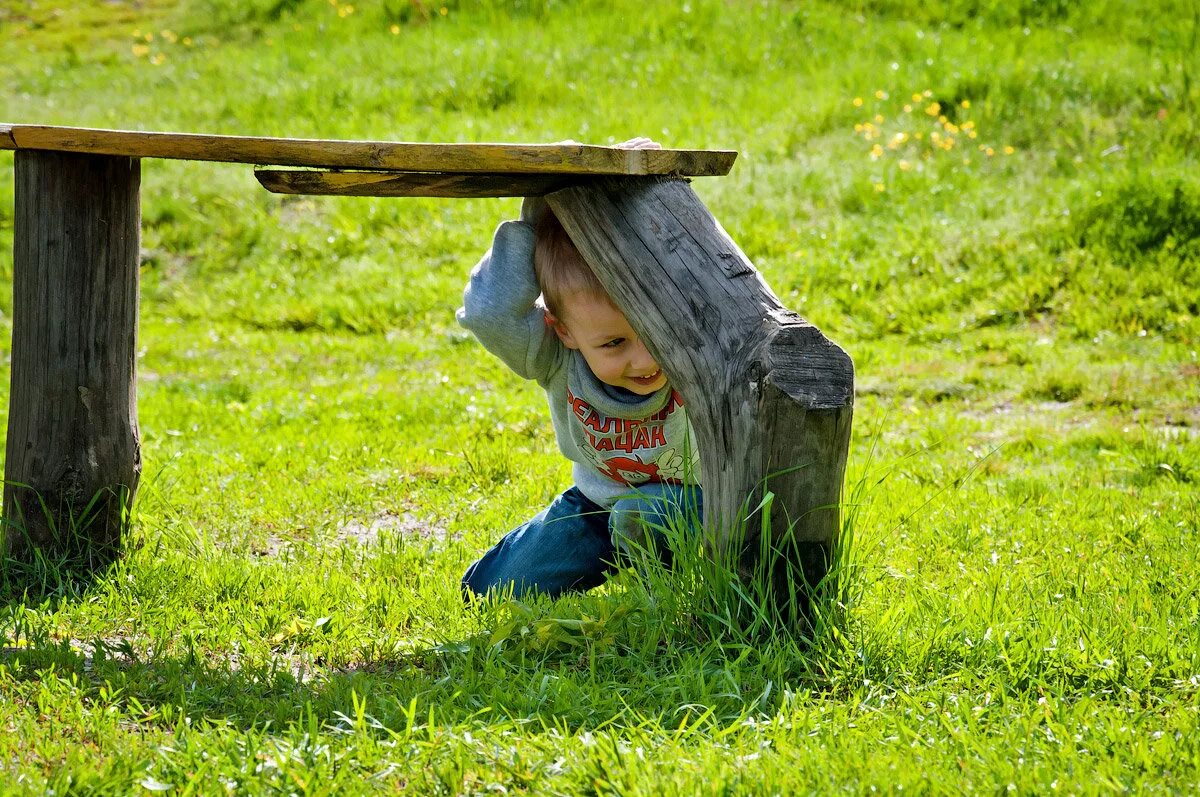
(641, 361)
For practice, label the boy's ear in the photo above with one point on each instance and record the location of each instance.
(561, 330)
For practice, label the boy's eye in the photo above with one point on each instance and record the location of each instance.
(614, 343)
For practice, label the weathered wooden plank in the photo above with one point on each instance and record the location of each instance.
(6, 139)
(378, 155)
(73, 457)
(413, 184)
(769, 396)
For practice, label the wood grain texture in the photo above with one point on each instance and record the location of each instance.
(770, 397)
(412, 184)
(73, 455)
(378, 155)
(6, 138)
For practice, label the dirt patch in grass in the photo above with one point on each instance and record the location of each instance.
(405, 525)
(362, 532)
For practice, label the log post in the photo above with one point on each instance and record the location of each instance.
(73, 455)
(769, 396)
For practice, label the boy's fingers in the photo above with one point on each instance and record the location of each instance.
(641, 142)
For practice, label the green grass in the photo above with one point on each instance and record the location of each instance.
(325, 451)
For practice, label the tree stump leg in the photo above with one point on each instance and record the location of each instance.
(73, 456)
(769, 396)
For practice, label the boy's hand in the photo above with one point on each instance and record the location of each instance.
(641, 142)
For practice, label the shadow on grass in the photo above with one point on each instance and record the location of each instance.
(616, 657)
(673, 643)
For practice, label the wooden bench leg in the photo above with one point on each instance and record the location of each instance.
(769, 396)
(73, 455)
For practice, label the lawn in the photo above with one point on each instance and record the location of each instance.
(993, 207)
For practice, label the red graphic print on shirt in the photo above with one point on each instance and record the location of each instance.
(632, 451)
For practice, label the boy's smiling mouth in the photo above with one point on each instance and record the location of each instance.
(649, 379)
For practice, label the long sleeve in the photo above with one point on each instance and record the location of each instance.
(500, 306)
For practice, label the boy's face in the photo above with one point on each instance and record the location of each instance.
(600, 332)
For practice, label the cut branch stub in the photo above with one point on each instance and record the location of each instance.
(769, 396)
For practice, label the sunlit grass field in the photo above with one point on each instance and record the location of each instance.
(994, 207)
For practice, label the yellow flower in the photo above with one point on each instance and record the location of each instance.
(990, 152)
(148, 37)
(966, 161)
(881, 95)
(187, 41)
(395, 29)
(443, 11)
(916, 98)
(858, 102)
(169, 35)
(905, 166)
(927, 93)
(158, 59)
(933, 109)
(140, 50)
(965, 103)
(880, 188)
(878, 119)
(858, 128)
(967, 125)
(876, 152)
(908, 109)
(971, 134)
(1009, 150)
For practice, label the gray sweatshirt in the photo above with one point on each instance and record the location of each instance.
(616, 439)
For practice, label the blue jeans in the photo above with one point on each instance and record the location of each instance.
(574, 544)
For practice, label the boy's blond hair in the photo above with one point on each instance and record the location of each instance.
(559, 267)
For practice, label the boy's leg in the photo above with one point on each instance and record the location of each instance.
(566, 547)
(653, 508)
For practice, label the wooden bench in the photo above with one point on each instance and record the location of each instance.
(769, 396)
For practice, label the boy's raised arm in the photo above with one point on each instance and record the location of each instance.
(500, 303)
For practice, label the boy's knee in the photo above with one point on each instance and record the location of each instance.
(637, 524)
(649, 519)
(626, 515)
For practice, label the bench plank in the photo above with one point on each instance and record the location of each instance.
(413, 184)
(580, 159)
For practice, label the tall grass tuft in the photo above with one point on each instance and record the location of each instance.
(69, 559)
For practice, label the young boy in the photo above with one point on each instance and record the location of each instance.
(614, 414)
